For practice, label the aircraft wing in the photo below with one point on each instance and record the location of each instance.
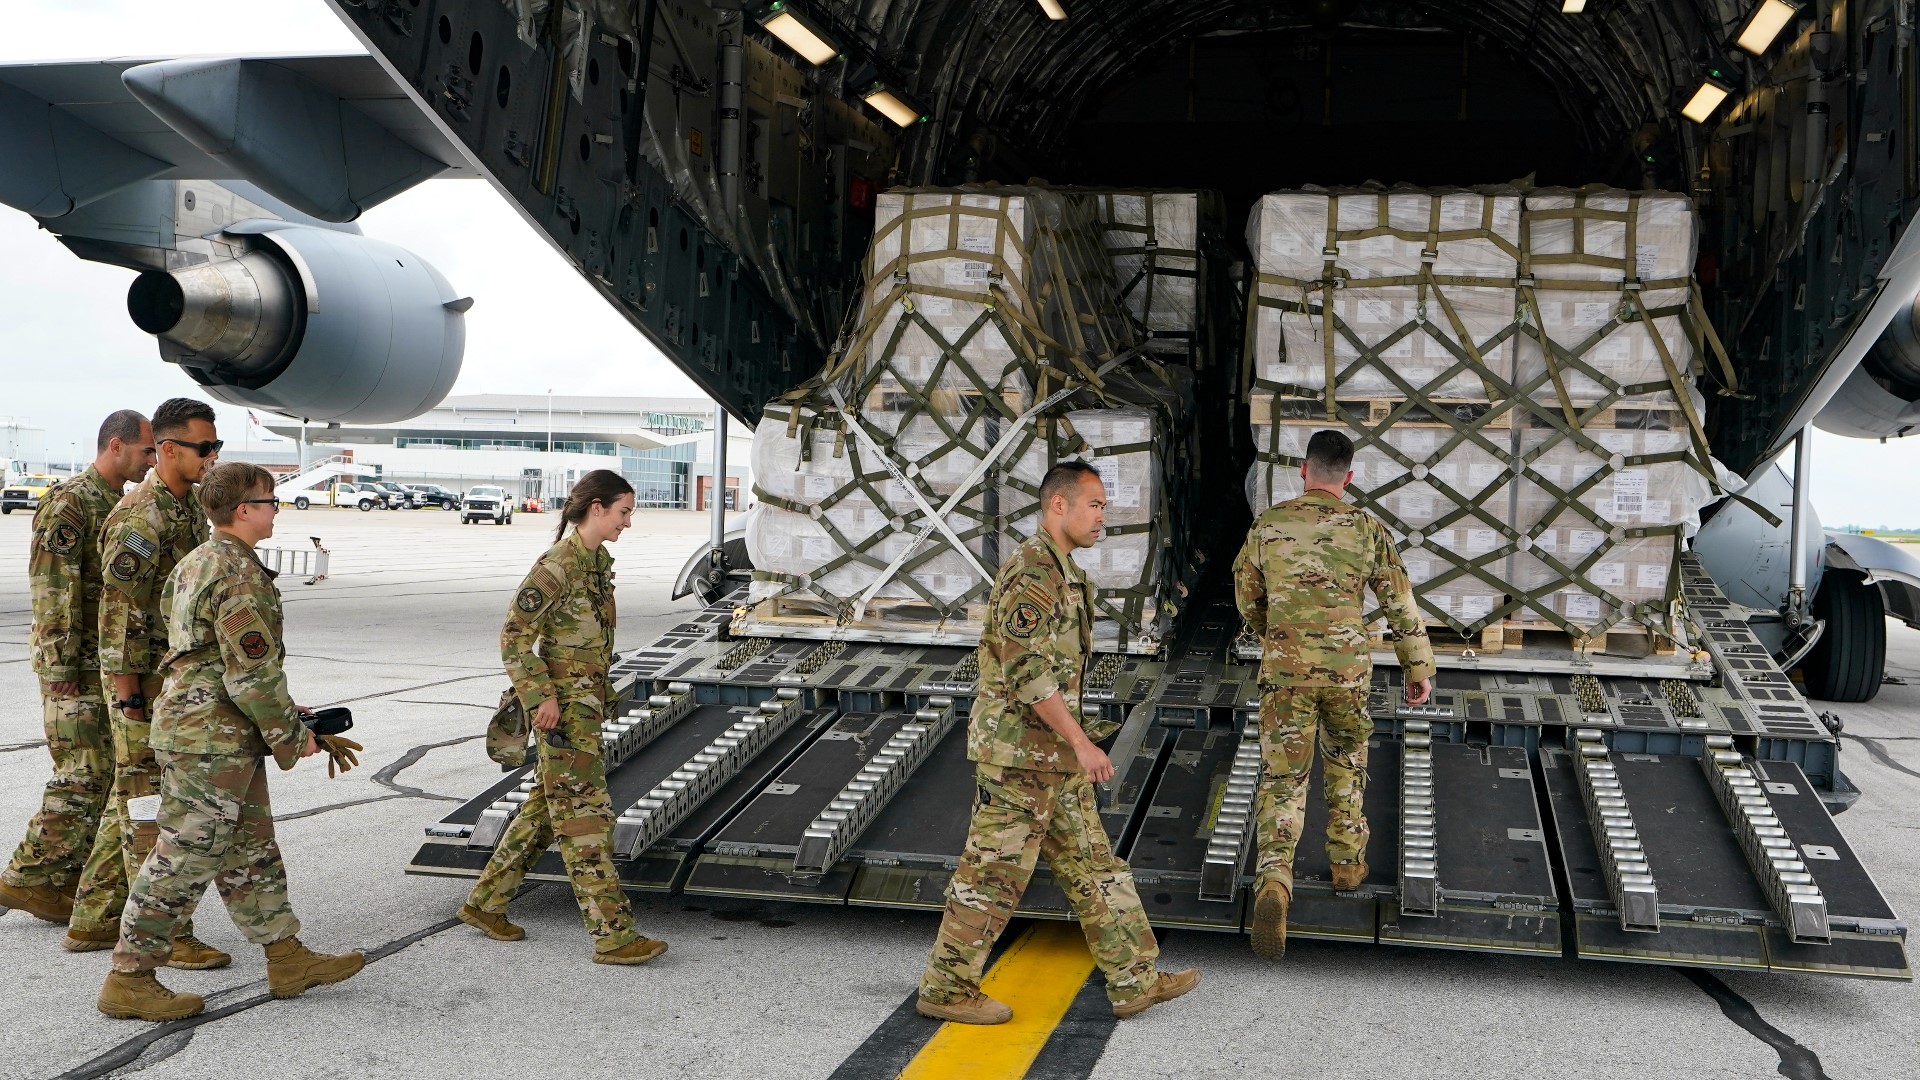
(80, 130)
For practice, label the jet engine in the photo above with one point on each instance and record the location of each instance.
(312, 323)
(1881, 399)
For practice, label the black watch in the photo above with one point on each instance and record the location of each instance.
(134, 701)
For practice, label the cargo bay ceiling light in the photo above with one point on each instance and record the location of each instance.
(892, 106)
(800, 35)
(1705, 100)
(1053, 9)
(1572, 7)
(1765, 24)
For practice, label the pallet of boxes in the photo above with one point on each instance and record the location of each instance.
(991, 343)
(1517, 371)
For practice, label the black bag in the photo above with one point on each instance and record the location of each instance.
(334, 721)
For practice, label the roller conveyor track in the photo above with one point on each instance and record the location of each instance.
(1501, 747)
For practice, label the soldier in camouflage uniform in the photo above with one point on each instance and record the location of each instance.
(224, 709)
(557, 645)
(1035, 766)
(65, 569)
(1299, 583)
(145, 537)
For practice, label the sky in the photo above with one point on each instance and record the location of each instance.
(69, 354)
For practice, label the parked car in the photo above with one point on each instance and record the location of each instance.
(25, 493)
(346, 493)
(398, 497)
(434, 495)
(486, 504)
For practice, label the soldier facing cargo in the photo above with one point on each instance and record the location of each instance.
(64, 566)
(1035, 764)
(557, 645)
(1300, 583)
(154, 526)
(223, 710)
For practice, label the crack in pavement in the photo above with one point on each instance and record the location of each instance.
(12, 747)
(490, 674)
(386, 779)
(1879, 753)
(1796, 1061)
(133, 1050)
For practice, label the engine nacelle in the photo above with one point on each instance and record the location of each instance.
(311, 323)
(1881, 399)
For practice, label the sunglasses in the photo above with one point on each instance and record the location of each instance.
(211, 446)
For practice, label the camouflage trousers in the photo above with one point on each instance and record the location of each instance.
(1018, 816)
(61, 833)
(570, 806)
(103, 882)
(216, 824)
(1289, 722)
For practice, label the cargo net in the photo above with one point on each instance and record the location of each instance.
(991, 344)
(1155, 241)
(1517, 372)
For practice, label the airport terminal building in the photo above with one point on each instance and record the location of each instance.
(536, 446)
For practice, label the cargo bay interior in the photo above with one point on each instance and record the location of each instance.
(807, 766)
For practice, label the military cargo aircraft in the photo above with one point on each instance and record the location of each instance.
(711, 168)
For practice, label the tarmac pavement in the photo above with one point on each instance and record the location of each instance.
(405, 631)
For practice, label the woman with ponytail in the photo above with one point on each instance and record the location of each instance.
(557, 646)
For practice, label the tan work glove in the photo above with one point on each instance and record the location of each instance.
(342, 753)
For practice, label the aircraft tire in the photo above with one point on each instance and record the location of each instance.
(1851, 657)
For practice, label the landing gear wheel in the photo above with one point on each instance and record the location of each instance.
(1850, 658)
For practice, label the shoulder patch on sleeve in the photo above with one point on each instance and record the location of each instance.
(125, 566)
(246, 631)
(137, 542)
(63, 537)
(531, 599)
(1023, 620)
(547, 581)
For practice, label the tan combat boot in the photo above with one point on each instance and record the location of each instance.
(638, 951)
(494, 924)
(293, 969)
(972, 1009)
(1348, 876)
(79, 940)
(43, 902)
(192, 954)
(1170, 985)
(1270, 921)
(141, 997)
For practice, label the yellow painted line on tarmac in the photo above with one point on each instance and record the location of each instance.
(1037, 977)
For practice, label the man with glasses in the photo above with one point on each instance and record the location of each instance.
(223, 711)
(65, 570)
(145, 537)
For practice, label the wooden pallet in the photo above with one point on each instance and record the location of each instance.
(1512, 635)
(882, 614)
(1613, 418)
(1373, 411)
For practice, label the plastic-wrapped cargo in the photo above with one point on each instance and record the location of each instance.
(1404, 281)
(1154, 241)
(1564, 506)
(1582, 250)
(987, 316)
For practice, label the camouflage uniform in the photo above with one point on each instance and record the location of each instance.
(558, 643)
(1299, 584)
(64, 567)
(1033, 799)
(225, 707)
(145, 537)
